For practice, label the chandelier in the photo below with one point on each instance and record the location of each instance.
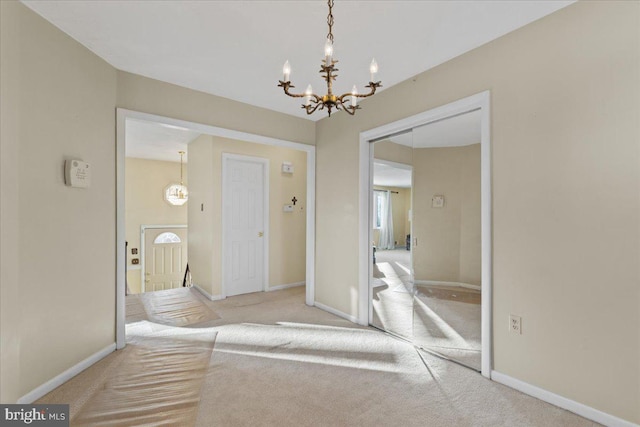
(347, 101)
(177, 194)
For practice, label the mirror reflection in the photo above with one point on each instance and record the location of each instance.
(427, 272)
(392, 290)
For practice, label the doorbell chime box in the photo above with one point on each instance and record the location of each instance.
(77, 173)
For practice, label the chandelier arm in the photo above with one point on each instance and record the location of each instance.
(351, 109)
(312, 110)
(372, 90)
(286, 86)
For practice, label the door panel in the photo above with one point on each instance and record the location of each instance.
(244, 204)
(165, 258)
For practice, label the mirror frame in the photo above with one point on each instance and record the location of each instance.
(478, 101)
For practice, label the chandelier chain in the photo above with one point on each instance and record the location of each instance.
(330, 20)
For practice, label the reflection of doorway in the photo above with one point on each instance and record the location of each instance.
(479, 102)
(245, 224)
(164, 257)
(391, 276)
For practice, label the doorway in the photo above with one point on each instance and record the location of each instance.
(245, 219)
(436, 282)
(305, 211)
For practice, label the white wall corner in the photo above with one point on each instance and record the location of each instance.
(562, 402)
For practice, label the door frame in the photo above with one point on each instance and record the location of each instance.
(122, 115)
(265, 216)
(479, 101)
(143, 229)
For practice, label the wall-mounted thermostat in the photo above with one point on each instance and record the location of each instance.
(77, 174)
(287, 167)
(437, 201)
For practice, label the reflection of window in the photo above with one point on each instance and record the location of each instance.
(377, 209)
(167, 237)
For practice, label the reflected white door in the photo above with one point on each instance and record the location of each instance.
(244, 206)
(165, 258)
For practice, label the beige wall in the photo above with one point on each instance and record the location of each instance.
(58, 243)
(448, 246)
(145, 182)
(140, 93)
(287, 230)
(387, 150)
(565, 107)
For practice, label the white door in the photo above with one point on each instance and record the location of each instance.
(244, 206)
(165, 258)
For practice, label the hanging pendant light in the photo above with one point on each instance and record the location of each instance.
(177, 194)
(348, 101)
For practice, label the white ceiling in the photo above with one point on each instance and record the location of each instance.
(236, 49)
(387, 175)
(149, 140)
(456, 131)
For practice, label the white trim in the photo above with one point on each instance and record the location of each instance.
(335, 312)
(121, 246)
(207, 294)
(121, 117)
(478, 101)
(562, 402)
(285, 286)
(226, 157)
(58, 380)
(143, 228)
(442, 283)
(310, 296)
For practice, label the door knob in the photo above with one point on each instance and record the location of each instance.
(147, 281)
(260, 234)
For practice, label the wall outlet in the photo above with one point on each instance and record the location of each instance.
(515, 324)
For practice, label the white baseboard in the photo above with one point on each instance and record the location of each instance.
(286, 286)
(442, 283)
(338, 313)
(58, 380)
(207, 294)
(564, 403)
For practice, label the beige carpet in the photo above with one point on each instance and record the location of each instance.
(277, 362)
(430, 317)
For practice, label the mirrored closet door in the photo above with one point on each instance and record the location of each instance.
(426, 279)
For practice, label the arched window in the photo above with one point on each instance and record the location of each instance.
(167, 237)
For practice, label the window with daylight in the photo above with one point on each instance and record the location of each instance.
(377, 209)
(167, 237)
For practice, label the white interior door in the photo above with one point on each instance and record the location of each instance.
(165, 258)
(244, 207)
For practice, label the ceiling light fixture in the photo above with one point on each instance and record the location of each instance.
(177, 194)
(347, 101)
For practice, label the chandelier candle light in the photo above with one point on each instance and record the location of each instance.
(347, 101)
